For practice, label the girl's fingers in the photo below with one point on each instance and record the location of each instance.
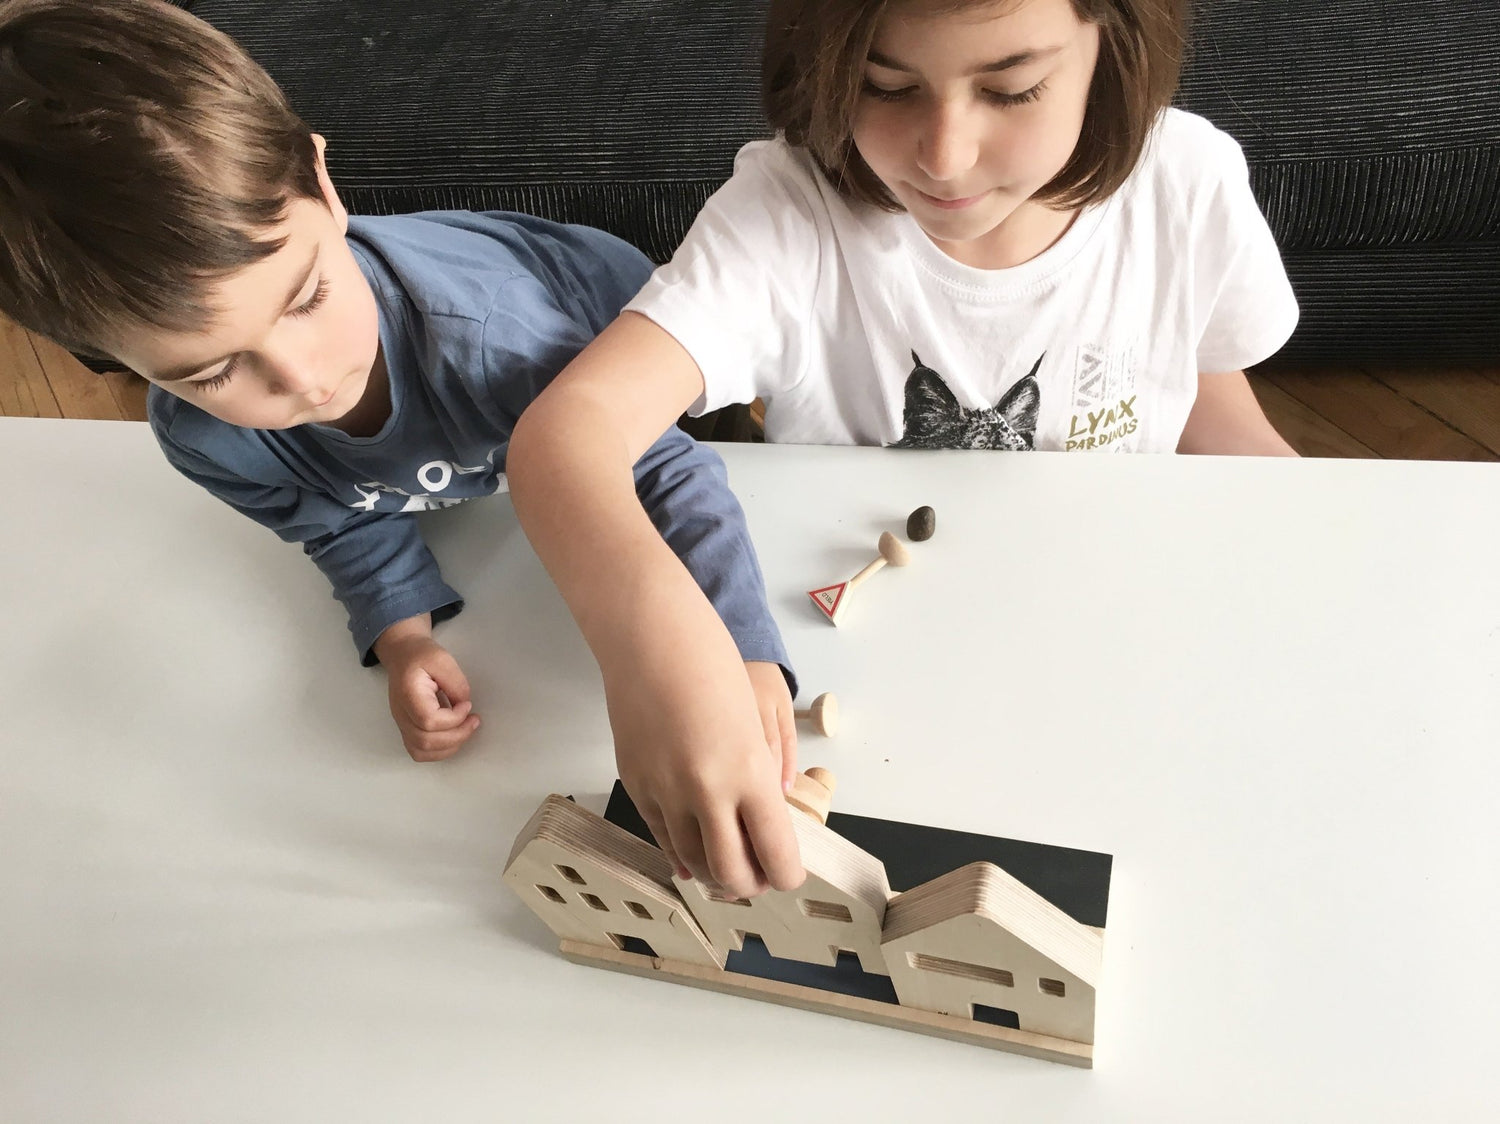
(652, 815)
(730, 860)
(687, 844)
(788, 719)
(768, 824)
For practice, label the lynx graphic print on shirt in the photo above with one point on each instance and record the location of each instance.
(934, 419)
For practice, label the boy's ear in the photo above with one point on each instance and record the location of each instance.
(330, 196)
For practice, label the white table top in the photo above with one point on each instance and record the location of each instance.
(1270, 689)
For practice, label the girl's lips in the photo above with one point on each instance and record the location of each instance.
(949, 204)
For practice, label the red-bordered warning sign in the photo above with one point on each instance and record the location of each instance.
(829, 598)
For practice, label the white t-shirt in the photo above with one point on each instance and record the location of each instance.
(855, 328)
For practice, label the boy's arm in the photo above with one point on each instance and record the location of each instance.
(389, 583)
(1226, 419)
(688, 737)
(380, 570)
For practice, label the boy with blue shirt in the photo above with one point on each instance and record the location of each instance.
(328, 376)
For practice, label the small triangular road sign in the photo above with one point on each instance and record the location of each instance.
(829, 599)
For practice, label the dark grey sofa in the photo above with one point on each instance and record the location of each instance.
(1372, 130)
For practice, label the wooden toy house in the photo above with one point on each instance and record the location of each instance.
(840, 908)
(595, 883)
(978, 936)
(974, 955)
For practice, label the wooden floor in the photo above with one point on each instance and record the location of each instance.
(38, 379)
(1350, 412)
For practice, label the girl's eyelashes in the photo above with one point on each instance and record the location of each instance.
(1000, 97)
(882, 94)
(314, 302)
(994, 97)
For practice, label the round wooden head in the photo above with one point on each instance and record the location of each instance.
(893, 550)
(812, 792)
(823, 776)
(824, 714)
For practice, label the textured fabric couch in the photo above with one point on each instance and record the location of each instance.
(1372, 129)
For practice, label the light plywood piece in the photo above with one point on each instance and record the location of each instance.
(974, 936)
(841, 906)
(805, 998)
(593, 882)
(978, 935)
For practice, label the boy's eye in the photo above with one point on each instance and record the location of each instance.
(225, 374)
(314, 302)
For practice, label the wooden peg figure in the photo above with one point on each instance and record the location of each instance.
(823, 714)
(831, 599)
(812, 792)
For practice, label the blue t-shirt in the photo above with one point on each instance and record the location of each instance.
(478, 312)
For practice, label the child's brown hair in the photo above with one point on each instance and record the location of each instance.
(143, 157)
(813, 69)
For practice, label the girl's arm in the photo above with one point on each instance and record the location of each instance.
(1227, 420)
(689, 740)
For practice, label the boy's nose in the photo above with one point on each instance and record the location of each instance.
(949, 143)
(298, 379)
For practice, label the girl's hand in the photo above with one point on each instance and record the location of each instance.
(691, 732)
(692, 741)
(777, 717)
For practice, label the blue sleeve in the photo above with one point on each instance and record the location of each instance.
(380, 569)
(684, 487)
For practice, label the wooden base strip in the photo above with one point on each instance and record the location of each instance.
(832, 1003)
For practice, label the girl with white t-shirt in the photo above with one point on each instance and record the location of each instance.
(979, 226)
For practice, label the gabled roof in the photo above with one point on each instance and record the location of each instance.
(985, 890)
(828, 855)
(561, 821)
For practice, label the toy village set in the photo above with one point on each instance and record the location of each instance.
(997, 942)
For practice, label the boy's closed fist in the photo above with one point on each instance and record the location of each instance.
(429, 692)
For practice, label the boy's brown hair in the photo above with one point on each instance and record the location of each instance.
(143, 157)
(813, 70)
